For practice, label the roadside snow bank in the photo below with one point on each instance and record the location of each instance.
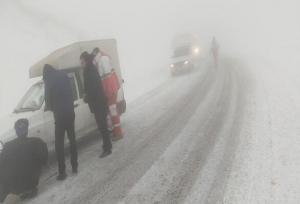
(266, 169)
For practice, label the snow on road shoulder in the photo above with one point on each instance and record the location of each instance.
(266, 169)
(250, 179)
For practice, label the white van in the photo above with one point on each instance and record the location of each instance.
(32, 105)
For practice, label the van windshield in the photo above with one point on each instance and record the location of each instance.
(182, 51)
(33, 99)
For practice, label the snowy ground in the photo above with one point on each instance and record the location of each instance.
(266, 167)
(178, 147)
(225, 136)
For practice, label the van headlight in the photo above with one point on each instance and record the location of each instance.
(172, 65)
(196, 50)
(186, 62)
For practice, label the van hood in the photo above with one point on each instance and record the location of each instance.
(7, 125)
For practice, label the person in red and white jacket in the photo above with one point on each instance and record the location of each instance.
(111, 86)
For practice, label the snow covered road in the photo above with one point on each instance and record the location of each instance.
(179, 144)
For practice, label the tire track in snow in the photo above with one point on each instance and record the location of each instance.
(205, 143)
(209, 186)
(157, 185)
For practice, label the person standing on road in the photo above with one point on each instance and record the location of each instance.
(60, 100)
(111, 86)
(95, 97)
(21, 162)
(215, 51)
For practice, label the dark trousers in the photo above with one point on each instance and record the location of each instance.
(101, 121)
(65, 124)
(3, 192)
(18, 185)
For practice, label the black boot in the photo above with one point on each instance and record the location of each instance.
(105, 153)
(75, 170)
(61, 176)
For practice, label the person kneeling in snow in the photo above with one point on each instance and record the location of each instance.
(21, 162)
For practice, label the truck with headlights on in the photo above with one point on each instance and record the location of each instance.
(186, 54)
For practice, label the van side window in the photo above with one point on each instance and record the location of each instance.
(74, 87)
(79, 75)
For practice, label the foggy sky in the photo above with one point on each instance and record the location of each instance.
(30, 29)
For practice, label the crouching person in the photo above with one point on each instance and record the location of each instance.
(21, 162)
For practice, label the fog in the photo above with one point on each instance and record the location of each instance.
(31, 29)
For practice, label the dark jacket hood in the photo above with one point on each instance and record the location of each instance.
(48, 72)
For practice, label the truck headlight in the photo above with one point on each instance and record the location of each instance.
(196, 50)
(186, 62)
(172, 65)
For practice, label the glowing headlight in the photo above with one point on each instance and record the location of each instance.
(186, 62)
(196, 50)
(172, 65)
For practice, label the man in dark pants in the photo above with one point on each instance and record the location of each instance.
(95, 97)
(59, 99)
(21, 162)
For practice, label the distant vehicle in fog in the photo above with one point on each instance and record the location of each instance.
(186, 55)
(32, 105)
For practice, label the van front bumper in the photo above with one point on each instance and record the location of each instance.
(181, 67)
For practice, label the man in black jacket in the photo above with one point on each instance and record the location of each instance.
(21, 162)
(95, 97)
(59, 99)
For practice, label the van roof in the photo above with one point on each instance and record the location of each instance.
(68, 56)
